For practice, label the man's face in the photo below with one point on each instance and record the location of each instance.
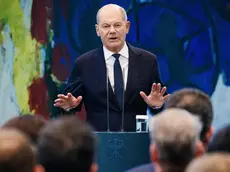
(112, 28)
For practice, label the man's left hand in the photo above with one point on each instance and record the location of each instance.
(156, 98)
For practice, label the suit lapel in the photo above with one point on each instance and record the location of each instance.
(132, 73)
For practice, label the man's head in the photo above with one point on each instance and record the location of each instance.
(197, 103)
(30, 125)
(214, 162)
(67, 144)
(112, 26)
(16, 154)
(175, 139)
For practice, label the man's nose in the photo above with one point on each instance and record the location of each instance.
(112, 29)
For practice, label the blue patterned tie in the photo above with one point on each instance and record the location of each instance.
(118, 80)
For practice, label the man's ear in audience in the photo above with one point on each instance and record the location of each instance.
(209, 134)
(200, 150)
(94, 167)
(153, 153)
(39, 168)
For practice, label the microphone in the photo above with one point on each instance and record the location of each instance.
(123, 102)
(107, 98)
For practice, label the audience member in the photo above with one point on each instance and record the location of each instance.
(197, 103)
(67, 145)
(30, 125)
(16, 154)
(175, 141)
(216, 162)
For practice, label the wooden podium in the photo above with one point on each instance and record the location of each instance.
(120, 151)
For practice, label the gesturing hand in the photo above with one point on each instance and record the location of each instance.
(156, 98)
(68, 101)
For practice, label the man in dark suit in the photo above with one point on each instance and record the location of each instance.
(114, 79)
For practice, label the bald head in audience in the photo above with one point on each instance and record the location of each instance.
(215, 162)
(174, 140)
(16, 154)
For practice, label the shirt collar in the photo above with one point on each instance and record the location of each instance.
(124, 52)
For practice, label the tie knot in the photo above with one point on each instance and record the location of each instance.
(116, 56)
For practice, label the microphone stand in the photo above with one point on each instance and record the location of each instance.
(107, 99)
(123, 102)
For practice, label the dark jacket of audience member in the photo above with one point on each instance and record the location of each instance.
(221, 141)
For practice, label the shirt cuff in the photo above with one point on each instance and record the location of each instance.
(67, 110)
(156, 107)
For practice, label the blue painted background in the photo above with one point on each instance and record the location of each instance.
(190, 38)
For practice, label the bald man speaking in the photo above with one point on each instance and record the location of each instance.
(116, 81)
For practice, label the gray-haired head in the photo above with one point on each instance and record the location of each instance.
(122, 10)
(211, 162)
(175, 133)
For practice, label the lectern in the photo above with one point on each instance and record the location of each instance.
(119, 151)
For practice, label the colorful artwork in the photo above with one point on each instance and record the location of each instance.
(40, 39)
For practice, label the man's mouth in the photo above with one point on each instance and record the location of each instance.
(113, 38)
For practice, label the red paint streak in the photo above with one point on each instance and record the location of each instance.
(38, 97)
(41, 16)
(61, 62)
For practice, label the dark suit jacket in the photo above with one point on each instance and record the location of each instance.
(88, 79)
(143, 168)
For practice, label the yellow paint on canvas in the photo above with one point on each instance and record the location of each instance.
(26, 61)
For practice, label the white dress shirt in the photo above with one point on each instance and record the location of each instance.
(124, 62)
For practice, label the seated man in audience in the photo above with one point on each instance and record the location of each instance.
(67, 145)
(221, 141)
(174, 141)
(215, 162)
(16, 154)
(197, 103)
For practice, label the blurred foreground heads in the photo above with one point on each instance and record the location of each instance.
(16, 153)
(215, 162)
(67, 145)
(174, 140)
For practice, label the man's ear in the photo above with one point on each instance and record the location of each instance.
(200, 150)
(127, 26)
(38, 168)
(94, 167)
(209, 134)
(97, 29)
(153, 153)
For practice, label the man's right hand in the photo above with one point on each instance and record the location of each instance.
(68, 101)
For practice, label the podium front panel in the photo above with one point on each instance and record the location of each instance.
(119, 151)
